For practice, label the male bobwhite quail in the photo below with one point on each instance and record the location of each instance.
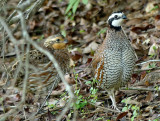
(45, 73)
(114, 61)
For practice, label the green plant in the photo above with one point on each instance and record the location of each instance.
(102, 31)
(156, 87)
(156, 119)
(152, 65)
(100, 118)
(1, 102)
(135, 108)
(93, 91)
(72, 7)
(63, 31)
(80, 101)
(41, 38)
(154, 8)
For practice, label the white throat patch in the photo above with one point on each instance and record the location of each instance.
(117, 23)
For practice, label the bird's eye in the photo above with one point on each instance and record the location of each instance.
(57, 40)
(115, 16)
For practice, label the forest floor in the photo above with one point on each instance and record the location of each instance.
(85, 31)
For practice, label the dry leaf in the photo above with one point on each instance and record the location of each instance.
(149, 97)
(153, 49)
(91, 47)
(121, 115)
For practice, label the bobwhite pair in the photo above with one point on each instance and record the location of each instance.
(114, 61)
(44, 73)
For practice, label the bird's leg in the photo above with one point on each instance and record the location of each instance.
(112, 97)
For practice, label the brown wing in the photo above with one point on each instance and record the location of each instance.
(98, 64)
(97, 57)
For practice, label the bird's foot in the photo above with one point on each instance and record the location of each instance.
(115, 108)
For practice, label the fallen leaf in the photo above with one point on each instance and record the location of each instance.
(91, 47)
(149, 97)
(153, 49)
(121, 115)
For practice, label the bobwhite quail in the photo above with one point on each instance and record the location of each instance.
(45, 70)
(115, 59)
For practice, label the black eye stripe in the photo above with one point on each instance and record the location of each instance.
(115, 16)
(57, 40)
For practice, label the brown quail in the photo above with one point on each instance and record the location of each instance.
(45, 71)
(115, 59)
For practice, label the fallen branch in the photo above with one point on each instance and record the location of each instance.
(140, 89)
(105, 109)
(148, 69)
(147, 62)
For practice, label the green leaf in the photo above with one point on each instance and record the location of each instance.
(71, 3)
(156, 7)
(63, 32)
(88, 82)
(152, 65)
(41, 38)
(102, 31)
(95, 81)
(75, 6)
(132, 119)
(133, 107)
(124, 109)
(85, 1)
(135, 113)
(80, 97)
(94, 91)
(1, 100)
(69, 115)
(93, 101)
(155, 120)
(100, 118)
(154, 48)
(82, 31)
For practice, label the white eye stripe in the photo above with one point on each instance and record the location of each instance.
(118, 14)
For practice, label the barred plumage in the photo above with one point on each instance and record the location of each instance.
(115, 59)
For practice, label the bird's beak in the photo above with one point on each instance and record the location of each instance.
(124, 17)
(65, 41)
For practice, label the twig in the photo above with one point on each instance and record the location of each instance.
(24, 113)
(105, 109)
(3, 117)
(26, 62)
(140, 70)
(6, 28)
(44, 102)
(64, 110)
(14, 12)
(140, 89)
(147, 62)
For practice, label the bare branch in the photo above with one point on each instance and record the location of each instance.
(147, 62)
(140, 89)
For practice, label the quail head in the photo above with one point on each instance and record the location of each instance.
(114, 61)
